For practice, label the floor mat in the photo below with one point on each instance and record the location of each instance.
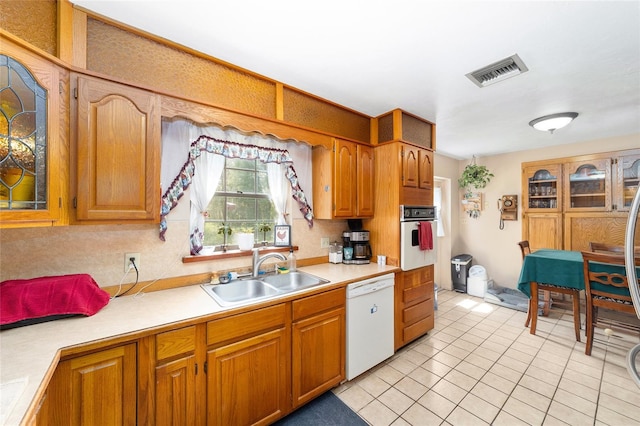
(507, 297)
(325, 410)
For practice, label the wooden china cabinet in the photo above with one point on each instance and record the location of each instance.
(571, 201)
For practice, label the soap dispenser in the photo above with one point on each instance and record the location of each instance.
(292, 260)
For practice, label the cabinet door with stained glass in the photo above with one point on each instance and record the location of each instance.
(29, 120)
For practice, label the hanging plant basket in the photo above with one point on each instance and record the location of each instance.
(473, 177)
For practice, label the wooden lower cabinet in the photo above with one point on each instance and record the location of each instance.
(179, 378)
(248, 367)
(582, 228)
(95, 389)
(414, 297)
(318, 344)
(542, 230)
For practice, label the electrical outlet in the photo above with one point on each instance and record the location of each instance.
(127, 262)
(324, 242)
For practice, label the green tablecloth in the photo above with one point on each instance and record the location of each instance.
(562, 268)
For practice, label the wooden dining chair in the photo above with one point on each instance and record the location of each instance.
(532, 314)
(609, 290)
(610, 248)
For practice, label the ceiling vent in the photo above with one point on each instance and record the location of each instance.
(498, 71)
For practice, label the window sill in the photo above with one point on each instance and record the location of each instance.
(234, 253)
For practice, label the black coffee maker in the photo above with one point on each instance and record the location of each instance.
(356, 243)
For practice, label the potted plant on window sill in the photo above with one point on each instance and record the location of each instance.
(264, 228)
(225, 230)
(245, 239)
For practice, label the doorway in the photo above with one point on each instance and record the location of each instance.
(442, 201)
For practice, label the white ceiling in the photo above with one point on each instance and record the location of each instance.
(377, 55)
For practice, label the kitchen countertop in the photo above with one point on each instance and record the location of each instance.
(30, 354)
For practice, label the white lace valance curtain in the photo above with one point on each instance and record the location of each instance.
(205, 163)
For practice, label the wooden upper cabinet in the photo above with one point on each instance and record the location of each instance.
(627, 179)
(118, 152)
(343, 181)
(416, 175)
(365, 181)
(410, 166)
(34, 169)
(587, 185)
(542, 187)
(425, 169)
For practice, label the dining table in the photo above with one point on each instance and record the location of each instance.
(560, 268)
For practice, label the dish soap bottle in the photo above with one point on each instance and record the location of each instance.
(292, 260)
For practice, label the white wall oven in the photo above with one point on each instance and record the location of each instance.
(417, 248)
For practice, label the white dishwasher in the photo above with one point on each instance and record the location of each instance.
(369, 324)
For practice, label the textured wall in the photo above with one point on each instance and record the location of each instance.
(33, 21)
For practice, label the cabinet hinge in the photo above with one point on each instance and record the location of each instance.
(59, 202)
(205, 367)
(196, 369)
(60, 88)
(75, 93)
(402, 152)
(75, 202)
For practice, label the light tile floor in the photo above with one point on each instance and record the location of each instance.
(481, 366)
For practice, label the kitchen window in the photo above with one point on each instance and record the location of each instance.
(235, 180)
(242, 201)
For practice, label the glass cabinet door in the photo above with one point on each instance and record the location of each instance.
(543, 188)
(628, 180)
(588, 185)
(23, 138)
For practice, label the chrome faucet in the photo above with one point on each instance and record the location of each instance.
(257, 260)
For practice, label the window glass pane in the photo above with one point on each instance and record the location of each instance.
(266, 211)
(239, 163)
(241, 180)
(241, 209)
(216, 208)
(211, 236)
(263, 184)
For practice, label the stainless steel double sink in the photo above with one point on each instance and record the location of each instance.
(253, 289)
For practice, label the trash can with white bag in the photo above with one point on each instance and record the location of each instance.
(477, 281)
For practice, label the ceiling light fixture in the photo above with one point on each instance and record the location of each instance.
(550, 123)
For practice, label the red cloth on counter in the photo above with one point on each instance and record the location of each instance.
(425, 236)
(48, 298)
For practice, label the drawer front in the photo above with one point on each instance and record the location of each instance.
(319, 303)
(418, 329)
(417, 277)
(417, 294)
(417, 312)
(175, 342)
(246, 324)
